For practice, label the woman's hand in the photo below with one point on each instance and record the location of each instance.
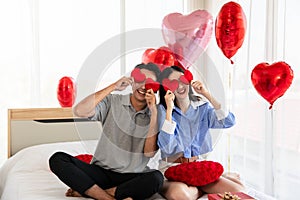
(199, 87)
(122, 83)
(169, 98)
(151, 100)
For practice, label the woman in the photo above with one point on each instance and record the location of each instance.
(184, 120)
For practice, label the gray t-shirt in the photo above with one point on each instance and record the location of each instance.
(121, 145)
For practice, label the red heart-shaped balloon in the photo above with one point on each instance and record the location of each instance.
(272, 81)
(178, 64)
(230, 28)
(171, 85)
(163, 57)
(187, 35)
(151, 84)
(66, 91)
(149, 56)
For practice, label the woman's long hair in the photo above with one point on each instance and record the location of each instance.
(165, 74)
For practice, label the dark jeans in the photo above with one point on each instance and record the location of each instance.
(80, 176)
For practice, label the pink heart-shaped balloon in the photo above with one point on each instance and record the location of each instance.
(272, 81)
(187, 35)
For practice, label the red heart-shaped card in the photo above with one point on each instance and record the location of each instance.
(171, 85)
(151, 84)
(137, 75)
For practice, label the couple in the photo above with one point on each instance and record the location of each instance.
(134, 127)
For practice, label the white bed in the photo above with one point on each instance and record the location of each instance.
(34, 135)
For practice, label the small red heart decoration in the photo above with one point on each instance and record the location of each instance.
(171, 85)
(151, 84)
(163, 57)
(272, 81)
(137, 75)
(195, 173)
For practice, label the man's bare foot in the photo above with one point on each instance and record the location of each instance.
(72, 193)
(111, 191)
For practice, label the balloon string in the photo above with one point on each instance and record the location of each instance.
(230, 86)
(249, 40)
(229, 160)
(230, 74)
(284, 31)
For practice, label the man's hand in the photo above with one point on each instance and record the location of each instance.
(122, 83)
(151, 100)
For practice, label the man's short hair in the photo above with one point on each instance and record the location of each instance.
(151, 67)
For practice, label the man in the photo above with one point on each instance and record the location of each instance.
(119, 166)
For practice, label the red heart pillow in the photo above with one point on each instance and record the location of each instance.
(198, 173)
(85, 157)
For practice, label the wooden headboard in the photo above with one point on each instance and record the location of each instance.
(32, 126)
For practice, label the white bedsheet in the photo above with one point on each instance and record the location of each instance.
(26, 175)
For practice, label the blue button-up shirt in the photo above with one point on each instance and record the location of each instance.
(188, 133)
